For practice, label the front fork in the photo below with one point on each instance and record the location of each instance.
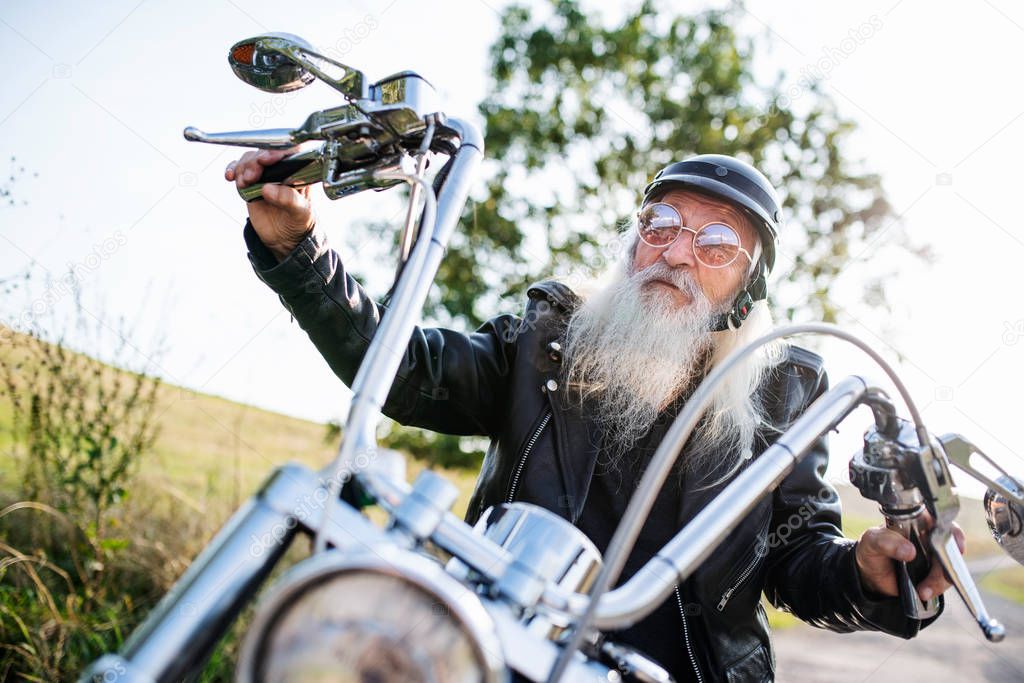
(182, 630)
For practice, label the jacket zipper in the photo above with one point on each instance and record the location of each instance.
(739, 581)
(522, 459)
(686, 637)
(759, 552)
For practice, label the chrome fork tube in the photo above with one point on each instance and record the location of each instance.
(377, 372)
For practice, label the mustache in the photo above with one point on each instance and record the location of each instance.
(681, 279)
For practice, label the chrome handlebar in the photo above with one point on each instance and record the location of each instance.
(372, 135)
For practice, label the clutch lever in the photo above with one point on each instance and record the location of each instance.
(915, 490)
(933, 461)
(885, 471)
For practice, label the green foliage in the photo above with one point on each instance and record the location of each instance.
(79, 425)
(430, 448)
(440, 450)
(65, 599)
(581, 115)
(66, 596)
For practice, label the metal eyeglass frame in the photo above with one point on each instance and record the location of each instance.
(693, 244)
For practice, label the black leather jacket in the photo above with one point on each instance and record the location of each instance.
(501, 381)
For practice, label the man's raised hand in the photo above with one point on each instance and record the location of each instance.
(284, 217)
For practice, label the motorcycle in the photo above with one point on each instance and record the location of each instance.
(523, 593)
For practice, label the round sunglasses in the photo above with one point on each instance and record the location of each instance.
(715, 244)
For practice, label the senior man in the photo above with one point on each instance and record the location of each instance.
(577, 392)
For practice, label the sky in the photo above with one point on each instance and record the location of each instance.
(97, 95)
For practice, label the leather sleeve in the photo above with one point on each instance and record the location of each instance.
(812, 571)
(448, 381)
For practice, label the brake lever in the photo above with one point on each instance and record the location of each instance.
(952, 561)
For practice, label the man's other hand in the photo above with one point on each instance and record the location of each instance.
(875, 552)
(285, 215)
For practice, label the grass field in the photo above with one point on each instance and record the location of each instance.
(1007, 582)
(211, 454)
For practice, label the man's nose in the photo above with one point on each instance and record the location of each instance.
(680, 252)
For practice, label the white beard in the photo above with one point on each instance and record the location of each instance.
(633, 349)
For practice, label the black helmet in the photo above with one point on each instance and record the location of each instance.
(729, 178)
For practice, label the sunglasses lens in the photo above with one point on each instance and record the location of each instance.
(659, 224)
(716, 245)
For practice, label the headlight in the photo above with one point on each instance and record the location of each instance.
(383, 616)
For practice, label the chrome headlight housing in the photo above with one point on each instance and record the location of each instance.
(383, 615)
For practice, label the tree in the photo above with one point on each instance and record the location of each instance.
(580, 116)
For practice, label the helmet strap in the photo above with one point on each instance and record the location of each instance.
(756, 290)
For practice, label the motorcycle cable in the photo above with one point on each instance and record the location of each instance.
(411, 232)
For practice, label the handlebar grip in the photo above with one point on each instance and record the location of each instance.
(909, 574)
(282, 170)
(304, 168)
